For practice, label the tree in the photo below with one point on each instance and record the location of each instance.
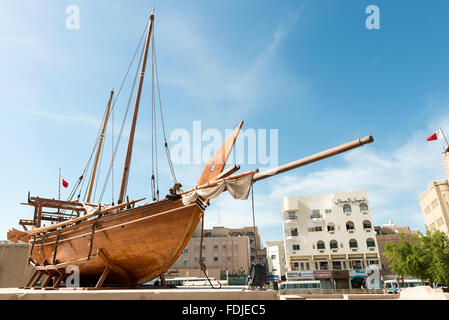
(425, 257)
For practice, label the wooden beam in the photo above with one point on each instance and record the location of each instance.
(103, 277)
(87, 216)
(232, 169)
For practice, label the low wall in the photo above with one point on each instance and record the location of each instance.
(14, 269)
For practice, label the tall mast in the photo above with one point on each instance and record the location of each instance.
(124, 183)
(100, 146)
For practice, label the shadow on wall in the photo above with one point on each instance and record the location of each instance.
(14, 268)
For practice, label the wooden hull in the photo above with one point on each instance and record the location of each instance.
(141, 243)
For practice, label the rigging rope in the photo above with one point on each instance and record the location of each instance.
(167, 150)
(202, 265)
(124, 120)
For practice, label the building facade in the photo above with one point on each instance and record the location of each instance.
(225, 252)
(390, 233)
(276, 259)
(331, 237)
(434, 202)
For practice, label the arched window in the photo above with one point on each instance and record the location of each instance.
(366, 224)
(353, 243)
(363, 207)
(370, 243)
(333, 244)
(330, 226)
(347, 208)
(350, 225)
(320, 245)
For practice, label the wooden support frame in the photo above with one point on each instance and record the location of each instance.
(31, 281)
(110, 265)
(55, 248)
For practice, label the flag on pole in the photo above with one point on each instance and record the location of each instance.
(65, 184)
(436, 136)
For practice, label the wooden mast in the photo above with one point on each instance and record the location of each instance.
(124, 183)
(100, 145)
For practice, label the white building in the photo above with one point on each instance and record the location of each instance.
(331, 232)
(276, 258)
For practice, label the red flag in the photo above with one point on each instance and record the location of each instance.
(435, 136)
(65, 184)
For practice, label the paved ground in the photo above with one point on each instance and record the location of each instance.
(137, 294)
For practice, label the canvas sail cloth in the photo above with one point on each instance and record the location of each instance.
(238, 188)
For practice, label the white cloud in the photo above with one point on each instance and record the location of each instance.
(394, 180)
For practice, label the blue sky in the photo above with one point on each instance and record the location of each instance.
(310, 69)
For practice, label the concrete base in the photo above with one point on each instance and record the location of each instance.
(136, 294)
(423, 293)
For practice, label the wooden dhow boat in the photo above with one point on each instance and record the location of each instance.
(129, 243)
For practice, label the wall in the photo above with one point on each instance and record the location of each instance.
(14, 269)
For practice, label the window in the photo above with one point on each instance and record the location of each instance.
(323, 265)
(186, 250)
(302, 265)
(366, 224)
(203, 259)
(434, 204)
(349, 225)
(196, 259)
(318, 229)
(427, 210)
(186, 262)
(370, 262)
(291, 215)
(273, 256)
(336, 265)
(307, 266)
(204, 246)
(356, 264)
(295, 247)
(370, 243)
(328, 211)
(320, 245)
(353, 243)
(224, 246)
(215, 259)
(440, 222)
(330, 227)
(363, 207)
(316, 214)
(215, 246)
(347, 208)
(236, 246)
(295, 266)
(333, 244)
(229, 258)
(294, 232)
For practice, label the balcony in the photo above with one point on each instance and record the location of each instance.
(291, 219)
(292, 236)
(317, 218)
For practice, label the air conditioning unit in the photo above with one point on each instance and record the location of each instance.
(331, 232)
(351, 231)
(334, 250)
(355, 249)
(321, 251)
(364, 212)
(293, 252)
(348, 213)
(368, 230)
(372, 249)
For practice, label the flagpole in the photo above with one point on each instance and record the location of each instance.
(444, 137)
(59, 185)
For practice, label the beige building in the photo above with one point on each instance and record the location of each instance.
(434, 202)
(390, 233)
(327, 234)
(225, 251)
(276, 258)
